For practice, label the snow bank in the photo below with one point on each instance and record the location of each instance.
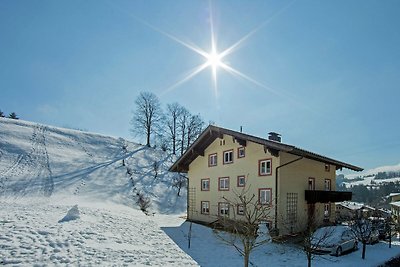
(72, 214)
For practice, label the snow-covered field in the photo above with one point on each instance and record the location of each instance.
(103, 235)
(207, 250)
(115, 235)
(45, 171)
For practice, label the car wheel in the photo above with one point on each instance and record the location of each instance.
(338, 251)
(355, 245)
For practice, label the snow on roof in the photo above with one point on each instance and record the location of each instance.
(393, 194)
(396, 203)
(351, 205)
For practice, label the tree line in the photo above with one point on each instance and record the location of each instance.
(375, 196)
(173, 129)
(12, 115)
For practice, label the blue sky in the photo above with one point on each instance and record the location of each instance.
(325, 74)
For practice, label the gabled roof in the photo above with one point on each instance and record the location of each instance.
(213, 132)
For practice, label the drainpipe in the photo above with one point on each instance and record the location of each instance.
(276, 190)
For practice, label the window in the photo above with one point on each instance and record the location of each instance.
(327, 184)
(311, 183)
(264, 196)
(240, 209)
(264, 167)
(212, 160)
(223, 209)
(223, 183)
(205, 184)
(205, 207)
(327, 210)
(241, 181)
(241, 152)
(228, 156)
(327, 167)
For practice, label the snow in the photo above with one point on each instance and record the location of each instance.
(67, 200)
(369, 176)
(72, 214)
(109, 235)
(208, 250)
(40, 160)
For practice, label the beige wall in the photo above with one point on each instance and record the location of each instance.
(247, 166)
(293, 178)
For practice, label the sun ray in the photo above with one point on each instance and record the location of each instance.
(279, 93)
(233, 47)
(191, 74)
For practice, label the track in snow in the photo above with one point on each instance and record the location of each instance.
(33, 168)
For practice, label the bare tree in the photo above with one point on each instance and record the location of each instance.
(143, 201)
(173, 114)
(156, 168)
(246, 231)
(362, 229)
(182, 126)
(179, 181)
(194, 129)
(148, 115)
(310, 240)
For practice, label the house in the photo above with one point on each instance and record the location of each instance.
(292, 182)
(348, 210)
(394, 202)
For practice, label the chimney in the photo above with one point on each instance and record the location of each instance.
(273, 136)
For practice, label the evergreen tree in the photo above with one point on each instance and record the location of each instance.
(13, 116)
(1, 114)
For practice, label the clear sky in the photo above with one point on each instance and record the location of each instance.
(324, 74)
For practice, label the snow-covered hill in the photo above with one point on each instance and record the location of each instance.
(372, 176)
(39, 160)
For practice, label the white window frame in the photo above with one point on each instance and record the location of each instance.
(328, 185)
(212, 160)
(312, 184)
(243, 178)
(262, 196)
(223, 209)
(205, 182)
(241, 152)
(263, 169)
(228, 156)
(240, 209)
(205, 207)
(223, 183)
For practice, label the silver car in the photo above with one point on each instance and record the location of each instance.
(334, 240)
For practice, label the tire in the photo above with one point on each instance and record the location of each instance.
(339, 252)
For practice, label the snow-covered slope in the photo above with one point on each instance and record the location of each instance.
(39, 160)
(369, 176)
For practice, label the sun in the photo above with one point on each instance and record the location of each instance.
(214, 60)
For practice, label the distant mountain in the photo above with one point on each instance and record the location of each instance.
(375, 176)
(41, 160)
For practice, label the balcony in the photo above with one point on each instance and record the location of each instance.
(321, 196)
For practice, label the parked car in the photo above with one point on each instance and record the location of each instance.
(334, 240)
(374, 237)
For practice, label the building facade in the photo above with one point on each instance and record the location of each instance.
(292, 183)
